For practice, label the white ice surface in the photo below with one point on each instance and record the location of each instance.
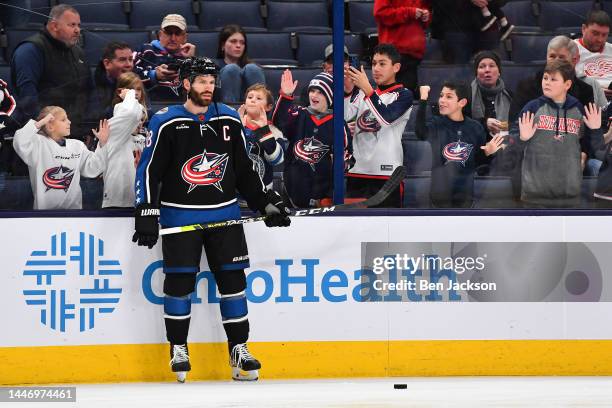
(456, 392)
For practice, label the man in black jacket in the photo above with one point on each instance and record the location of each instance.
(49, 68)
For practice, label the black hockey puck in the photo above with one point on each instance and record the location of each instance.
(400, 386)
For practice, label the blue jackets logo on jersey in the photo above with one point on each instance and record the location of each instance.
(367, 122)
(310, 150)
(205, 169)
(457, 152)
(58, 178)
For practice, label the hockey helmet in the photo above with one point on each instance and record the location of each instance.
(192, 67)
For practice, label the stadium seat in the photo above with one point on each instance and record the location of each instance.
(40, 11)
(16, 194)
(361, 16)
(271, 48)
(433, 52)
(297, 16)
(493, 192)
(94, 42)
(14, 37)
(512, 74)
(206, 42)
(215, 14)
(151, 13)
(100, 14)
(311, 47)
(520, 13)
(556, 14)
(417, 156)
(416, 191)
(436, 75)
(528, 47)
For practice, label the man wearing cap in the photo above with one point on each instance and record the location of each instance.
(328, 66)
(157, 62)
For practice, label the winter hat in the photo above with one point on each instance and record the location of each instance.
(486, 54)
(324, 82)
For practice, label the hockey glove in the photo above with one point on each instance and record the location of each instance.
(146, 225)
(276, 211)
(266, 139)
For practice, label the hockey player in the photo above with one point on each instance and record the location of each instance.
(310, 133)
(264, 141)
(197, 152)
(380, 115)
(56, 163)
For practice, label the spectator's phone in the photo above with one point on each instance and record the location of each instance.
(173, 66)
(354, 62)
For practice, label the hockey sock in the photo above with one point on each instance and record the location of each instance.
(234, 314)
(177, 315)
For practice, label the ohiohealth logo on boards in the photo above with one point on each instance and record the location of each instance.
(72, 282)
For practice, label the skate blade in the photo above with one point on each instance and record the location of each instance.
(181, 376)
(240, 375)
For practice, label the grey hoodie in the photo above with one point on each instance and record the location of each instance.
(551, 173)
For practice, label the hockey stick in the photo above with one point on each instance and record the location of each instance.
(380, 196)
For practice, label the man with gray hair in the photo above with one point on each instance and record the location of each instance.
(585, 90)
(49, 68)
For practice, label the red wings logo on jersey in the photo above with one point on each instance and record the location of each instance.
(310, 150)
(58, 178)
(457, 152)
(367, 122)
(204, 170)
(599, 68)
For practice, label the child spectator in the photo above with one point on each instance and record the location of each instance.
(120, 172)
(264, 140)
(492, 13)
(237, 72)
(550, 129)
(56, 163)
(381, 116)
(456, 141)
(310, 134)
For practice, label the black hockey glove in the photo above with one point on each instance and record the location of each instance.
(276, 211)
(146, 225)
(266, 139)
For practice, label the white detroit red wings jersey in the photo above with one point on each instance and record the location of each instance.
(597, 65)
(55, 170)
(380, 120)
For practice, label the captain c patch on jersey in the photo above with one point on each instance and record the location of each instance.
(457, 152)
(204, 170)
(58, 178)
(310, 150)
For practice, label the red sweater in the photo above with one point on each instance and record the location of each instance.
(397, 25)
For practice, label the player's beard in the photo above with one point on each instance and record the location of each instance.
(197, 99)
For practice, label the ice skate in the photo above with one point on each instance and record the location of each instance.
(179, 360)
(244, 366)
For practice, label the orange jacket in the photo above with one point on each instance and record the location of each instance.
(398, 25)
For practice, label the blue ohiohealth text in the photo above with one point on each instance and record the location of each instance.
(333, 286)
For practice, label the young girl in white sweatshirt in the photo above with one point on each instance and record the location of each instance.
(55, 163)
